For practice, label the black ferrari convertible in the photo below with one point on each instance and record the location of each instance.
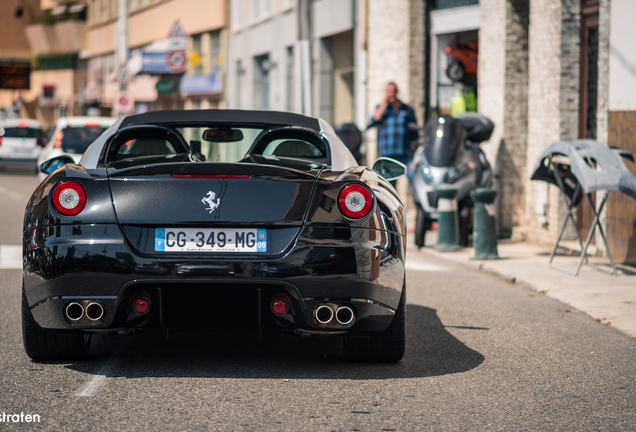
(220, 221)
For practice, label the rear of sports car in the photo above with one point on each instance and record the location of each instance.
(257, 246)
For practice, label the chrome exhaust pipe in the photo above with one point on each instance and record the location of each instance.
(323, 314)
(95, 311)
(345, 315)
(74, 311)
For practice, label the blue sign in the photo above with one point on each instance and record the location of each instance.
(154, 62)
(197, 84)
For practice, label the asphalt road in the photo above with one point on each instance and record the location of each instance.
(482, 354)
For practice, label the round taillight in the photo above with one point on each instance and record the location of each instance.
(279, 306)
(141, 305)
(355, 201)
(69, 198)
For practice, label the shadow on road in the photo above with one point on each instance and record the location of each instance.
(431, 351)
(29, 168)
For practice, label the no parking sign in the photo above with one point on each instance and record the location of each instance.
(123, 102)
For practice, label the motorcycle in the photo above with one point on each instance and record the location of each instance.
(450, 156)
(462, 59)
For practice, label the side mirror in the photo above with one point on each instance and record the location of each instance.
(51, 165)
(389, 168)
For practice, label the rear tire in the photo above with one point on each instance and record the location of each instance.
(421, 226)
(50, 345)
(455, 69)
(387, 346)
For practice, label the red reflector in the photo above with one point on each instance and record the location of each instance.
(355, 201)
(210, 176)
(279, 306)
(142, 305)
(92, 124)
(22, 124)
(69, 198)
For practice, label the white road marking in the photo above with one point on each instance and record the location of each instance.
(98, 381)
(427, 267)
(10, 257)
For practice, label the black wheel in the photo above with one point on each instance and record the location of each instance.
(455, 69)
(465, 223)
(50, 345)
(386, 346)
(422, 224)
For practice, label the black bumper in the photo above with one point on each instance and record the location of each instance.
(96, 263)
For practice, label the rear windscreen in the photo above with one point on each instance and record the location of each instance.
(15, 132)
(77, 139)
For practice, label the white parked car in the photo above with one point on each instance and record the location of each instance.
(72, 136)
(21, 140)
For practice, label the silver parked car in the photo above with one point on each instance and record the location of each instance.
(21, 140)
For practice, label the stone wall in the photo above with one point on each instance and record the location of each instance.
(388, 56)
(553, 106)
(417, 61)
(512, 152)
(503, 89)
(491, 79)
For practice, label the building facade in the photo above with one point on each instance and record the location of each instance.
(174, 50)
(555, 70)
(297, 55)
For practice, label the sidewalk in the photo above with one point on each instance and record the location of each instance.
(609, 299)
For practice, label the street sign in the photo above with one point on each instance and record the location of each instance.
(166, 86)
(124, 102)
(124, 77)
(177, 61)
(177, 31)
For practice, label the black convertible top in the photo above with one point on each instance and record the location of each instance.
(204, 117)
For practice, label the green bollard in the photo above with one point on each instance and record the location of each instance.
(447, 223)
(484, 228)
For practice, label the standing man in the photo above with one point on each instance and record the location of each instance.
(397, 127)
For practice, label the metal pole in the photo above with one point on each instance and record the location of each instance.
(121, 55)
(304, 43)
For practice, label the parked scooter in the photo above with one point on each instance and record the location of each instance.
(450, 156)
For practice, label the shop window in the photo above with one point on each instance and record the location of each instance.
(215, 52)
(447, 4)
(237, 14)
(456, 58)
(196, 47)
(289, 79)
(262, 66)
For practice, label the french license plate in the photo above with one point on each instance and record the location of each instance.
(210, 240)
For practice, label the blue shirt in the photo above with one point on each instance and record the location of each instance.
(394, 136)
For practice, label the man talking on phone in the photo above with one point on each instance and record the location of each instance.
(397, 126)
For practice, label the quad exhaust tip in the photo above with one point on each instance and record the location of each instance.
(327, 313)
(94, 311)
(323, 314)
(74, 311)
(344, 315)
